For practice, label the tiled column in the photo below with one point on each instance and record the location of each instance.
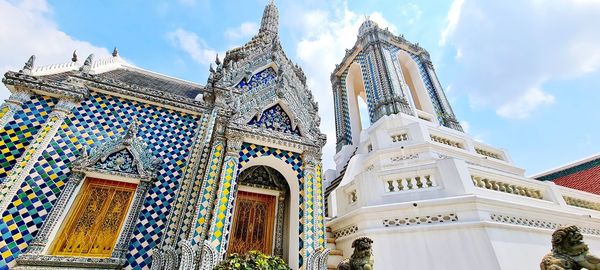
(207, 192)
(225, 196)
(18, 173)
(309, 161)
(179, 217)
(319, 209)
(12, 105)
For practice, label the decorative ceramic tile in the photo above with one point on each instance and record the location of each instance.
(275, 118)
(263, 77)
(212, 175)
(98, 118)
(17, 134)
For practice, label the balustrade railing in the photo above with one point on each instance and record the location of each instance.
(492, 184)
(409, 183)
(488, 153)
(582, 203)
(400, 137)
(446, 141)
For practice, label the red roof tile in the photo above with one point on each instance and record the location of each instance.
(585, 180)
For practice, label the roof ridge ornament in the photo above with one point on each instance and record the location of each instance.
(28, 65)
(87, 65)
(270, 19)
(74, 58)
(115, 52)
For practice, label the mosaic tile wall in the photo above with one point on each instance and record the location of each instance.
(17, 134)
(100, 117)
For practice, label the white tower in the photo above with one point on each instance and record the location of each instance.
(429, 195)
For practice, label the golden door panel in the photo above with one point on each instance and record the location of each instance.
(253, 222)
(94, 223)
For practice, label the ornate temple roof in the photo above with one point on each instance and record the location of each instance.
(159, 82)
(115, 69)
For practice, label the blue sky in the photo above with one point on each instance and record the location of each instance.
(522, 75)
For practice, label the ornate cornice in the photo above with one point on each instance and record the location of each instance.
(45, 87)
(275, 137)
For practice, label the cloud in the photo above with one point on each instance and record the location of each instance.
(453, 18)
(411, 12)
(524, 104)
(324, 37)
(38, 34)
(191, 44)
(245, 30)
(507, 52)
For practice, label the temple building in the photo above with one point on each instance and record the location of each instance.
(106, 165)
(427, 193)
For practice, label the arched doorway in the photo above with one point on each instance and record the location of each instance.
(260, 215)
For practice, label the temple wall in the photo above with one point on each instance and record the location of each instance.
(94, 121)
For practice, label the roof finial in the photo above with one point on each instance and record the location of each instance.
(270, 18)
(74, 59)
(217, 61)
(28, 65)
(87, 65)
(115, 52)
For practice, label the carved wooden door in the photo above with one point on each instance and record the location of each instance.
(95, 222)
(253, 222)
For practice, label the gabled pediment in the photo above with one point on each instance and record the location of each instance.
(126, 156)
(275, 118)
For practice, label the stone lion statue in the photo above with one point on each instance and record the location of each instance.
(569, 252)
(361, 259)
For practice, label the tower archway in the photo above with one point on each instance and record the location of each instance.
(412, 77)
(357, 102)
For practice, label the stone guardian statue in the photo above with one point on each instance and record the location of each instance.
(362, 257)
(569, 252)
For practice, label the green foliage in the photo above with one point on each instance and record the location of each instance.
(253, 260)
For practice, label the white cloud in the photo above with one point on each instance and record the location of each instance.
(506, 52)
(245, 30)
(411, 12)
(453, 18)
(191, 44)
(38, 34)
(524, 104)
(324, 39)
